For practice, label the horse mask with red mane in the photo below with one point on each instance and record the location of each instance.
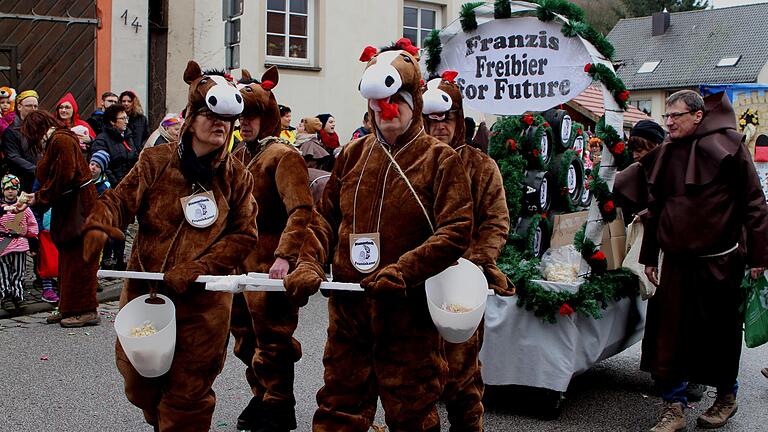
(393, 70)
(441, 96)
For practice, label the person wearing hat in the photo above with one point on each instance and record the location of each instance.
(167, 132)
(196, 216)
(645, 136)
(264, 330)
(444, 119)
(396, 211)
(328, 136)
(7, 108)
(98, 166)
(15, 229)
(21, 157)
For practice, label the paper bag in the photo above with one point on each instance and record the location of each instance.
(614, 242)
(565, 228)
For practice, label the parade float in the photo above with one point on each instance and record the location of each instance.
(575, 304)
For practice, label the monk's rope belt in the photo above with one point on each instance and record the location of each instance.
(736, 246)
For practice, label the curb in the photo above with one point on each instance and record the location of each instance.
(110, 293)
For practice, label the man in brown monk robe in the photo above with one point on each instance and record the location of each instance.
(707, 213)
(444, 119)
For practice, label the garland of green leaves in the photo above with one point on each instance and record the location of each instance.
(602, 193)
(615, 144)
(614, 84)
(596, 259)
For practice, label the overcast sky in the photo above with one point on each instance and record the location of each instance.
(726, 3)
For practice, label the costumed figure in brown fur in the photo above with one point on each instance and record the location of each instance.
(444, 118)
(196, 215)
(263, 323)
(65, 187)
(396, 210)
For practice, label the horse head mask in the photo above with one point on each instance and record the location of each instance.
(260, 101)
(393, 70)
(443, 96)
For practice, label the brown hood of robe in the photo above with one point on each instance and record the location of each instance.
(714, 140)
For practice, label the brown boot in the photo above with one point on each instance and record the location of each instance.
(672, 419)
(718, 414)
(86, 319)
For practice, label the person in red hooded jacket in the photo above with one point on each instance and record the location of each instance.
(68, 113)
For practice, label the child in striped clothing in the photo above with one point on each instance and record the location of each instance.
(15, 228)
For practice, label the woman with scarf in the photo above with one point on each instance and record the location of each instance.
(167, 132)
(327, 134)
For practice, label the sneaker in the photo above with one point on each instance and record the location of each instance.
(672, 419)
(86, 319)
(54, 317)
(718, 414)
(50, 296)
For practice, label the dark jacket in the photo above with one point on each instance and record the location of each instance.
(96, 121)
(123, 152)
(139, 128)
(20, 158)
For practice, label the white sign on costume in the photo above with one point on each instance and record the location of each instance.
(509, 67)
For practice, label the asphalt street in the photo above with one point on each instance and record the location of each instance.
(65, 380)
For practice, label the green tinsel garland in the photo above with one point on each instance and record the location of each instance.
(596, 259)
(467, 16)
(601, 43)
(434, 50)
(592, 297)
(613, 141)
(548, 8)
(502, 9)
(611, 81)
(602, 193)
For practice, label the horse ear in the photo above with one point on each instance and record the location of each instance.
(192, 72)
(271, 75)
(245, 76)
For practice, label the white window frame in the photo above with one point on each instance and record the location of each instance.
(311, 37)
(437, 9)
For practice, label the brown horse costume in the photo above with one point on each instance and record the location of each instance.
(264, 337)
(63, 170)
(182, 399)
(464, 391)
(383, 343)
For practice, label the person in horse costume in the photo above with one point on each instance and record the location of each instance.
(396, 210)
(444, 117)
(263, 323)
(196, 215)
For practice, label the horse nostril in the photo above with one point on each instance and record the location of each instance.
(212, 101)
(389, 81)
(238, 98)
(445, 98)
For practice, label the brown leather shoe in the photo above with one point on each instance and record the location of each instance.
(86, 319)
(718, 414)
(672, 419)
(54, 317)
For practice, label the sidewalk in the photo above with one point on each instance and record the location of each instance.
(33, 295)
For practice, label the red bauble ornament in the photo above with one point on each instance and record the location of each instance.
(598, 256)
(579, 132)
(528, 119)
(587, 67)
(618, 148)
(566, 309)
(609, 206)
(512, 145)
(624, 96)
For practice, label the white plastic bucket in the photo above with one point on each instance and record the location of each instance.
(151, 355)
(465, 285)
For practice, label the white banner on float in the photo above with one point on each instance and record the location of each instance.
(510, 66)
